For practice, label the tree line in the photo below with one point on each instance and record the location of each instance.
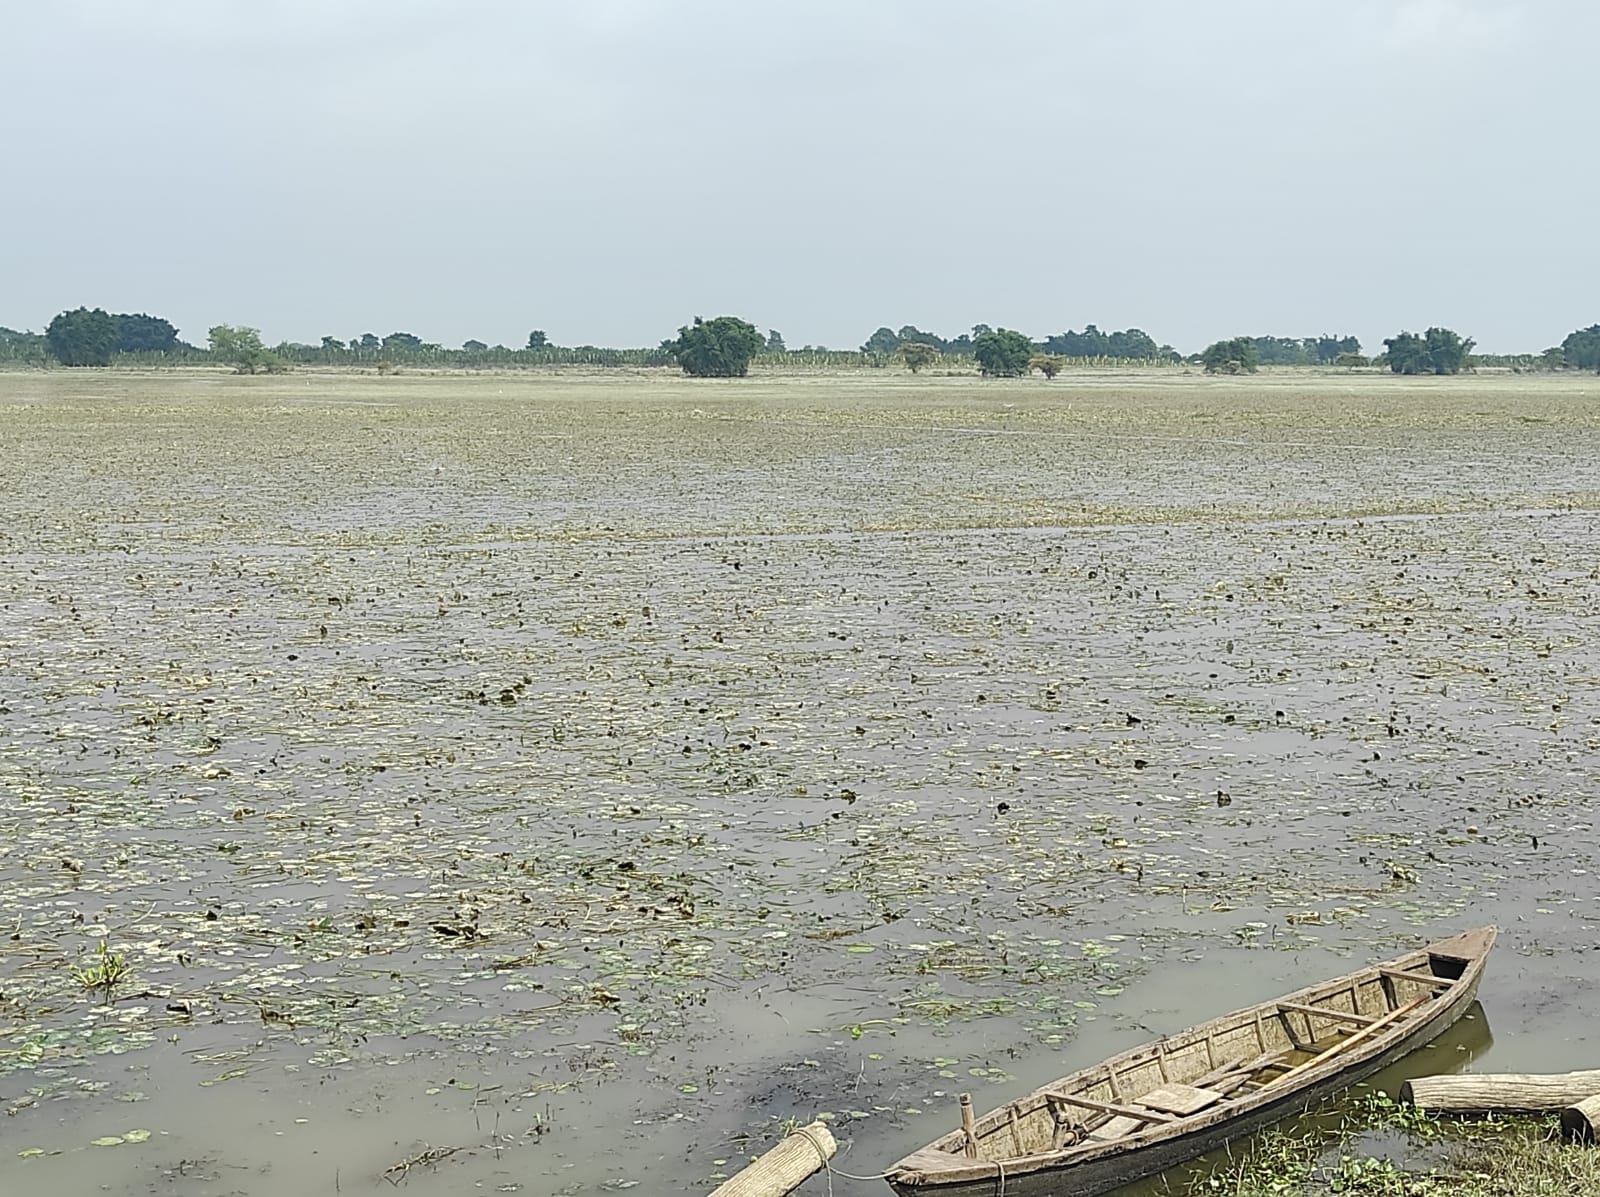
(1438, 351)
(726, 346)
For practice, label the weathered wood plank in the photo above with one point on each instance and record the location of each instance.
(1580, 1122)
(1484, 1091)
(1116, 1128)
(1400, 974)
(1360, 1020)
(1106, 1107)
(1182, 1100)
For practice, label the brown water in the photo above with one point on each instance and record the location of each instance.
(585, 776)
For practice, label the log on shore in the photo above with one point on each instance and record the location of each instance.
(783, 1169)
(1581, 1122)
(1486, 1092)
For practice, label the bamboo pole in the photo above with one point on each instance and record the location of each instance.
(783, 1169)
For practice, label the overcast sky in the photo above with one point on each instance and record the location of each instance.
(607, 169)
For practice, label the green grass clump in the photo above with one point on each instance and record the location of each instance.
(1493, 1157)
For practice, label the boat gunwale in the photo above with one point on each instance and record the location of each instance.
(927, 1167)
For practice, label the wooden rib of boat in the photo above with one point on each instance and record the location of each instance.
(1148, 1109)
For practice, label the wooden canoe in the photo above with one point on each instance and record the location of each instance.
(1156, 1106)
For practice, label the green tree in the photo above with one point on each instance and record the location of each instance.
(401, 342)
(1236, 356)
(1283, 351)
(775, 342)
(474, 346)
(538, 340)
(1001, 352)
(1581, 349)
(1407, 353)
(918, 354)
(83, 337)
(333, 344)
(242, 349)
(1449, 351)
(882, 341)
(718, 348)
(1329, 348)
(23, 346)
(1438, 351)
(145, 334)
(1048, 364)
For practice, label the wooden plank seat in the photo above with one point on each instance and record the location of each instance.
(1401, 974)
(1122, 1110)
(1164, 1104)
(1182, 1100)
(1360, 1020)
(1115, 1128)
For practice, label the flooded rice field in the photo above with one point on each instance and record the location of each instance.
(561, 785)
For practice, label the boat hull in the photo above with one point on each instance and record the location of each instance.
(1121, 1163)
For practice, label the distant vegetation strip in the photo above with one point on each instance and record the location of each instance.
(728, 346)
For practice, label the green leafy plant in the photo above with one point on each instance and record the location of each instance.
(105, 971)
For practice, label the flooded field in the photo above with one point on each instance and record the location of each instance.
(558, 785)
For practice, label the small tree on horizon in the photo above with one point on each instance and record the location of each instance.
(241, 348)
(1437, 351)
(918, 354)
(1001, 352)
(717, 348)
(1236, 356)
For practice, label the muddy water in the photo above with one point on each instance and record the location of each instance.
(555, 785)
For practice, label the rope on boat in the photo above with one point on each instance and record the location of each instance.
(827, 1166)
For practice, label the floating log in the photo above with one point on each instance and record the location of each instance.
(1484, 1092)
(1581, 1122)
(783, 1169)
